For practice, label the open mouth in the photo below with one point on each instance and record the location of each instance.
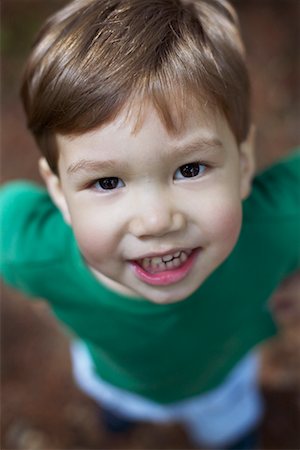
(166, 269)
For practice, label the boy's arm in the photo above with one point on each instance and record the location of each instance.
(14, 221)
(285, 303)
(274, 208)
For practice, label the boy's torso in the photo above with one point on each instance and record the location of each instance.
(163, 352)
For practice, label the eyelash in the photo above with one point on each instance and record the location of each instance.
(192, 170)
(115, 183)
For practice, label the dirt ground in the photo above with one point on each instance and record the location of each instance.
(41, 407)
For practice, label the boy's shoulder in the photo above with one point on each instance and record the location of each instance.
(33, 232)
(276, 192)
(270, 235)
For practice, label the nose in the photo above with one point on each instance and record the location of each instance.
(155, 215)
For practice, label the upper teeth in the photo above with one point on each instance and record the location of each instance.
(166, 260)
(170, 257)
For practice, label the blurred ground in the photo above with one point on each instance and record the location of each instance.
(41, 408)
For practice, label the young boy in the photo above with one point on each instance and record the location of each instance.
(152, 253)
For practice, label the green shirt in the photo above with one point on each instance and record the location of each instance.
(163, 352)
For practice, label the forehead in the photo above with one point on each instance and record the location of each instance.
(122, 138)
(176, 119)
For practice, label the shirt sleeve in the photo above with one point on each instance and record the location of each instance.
(274, 205)
(32, 233)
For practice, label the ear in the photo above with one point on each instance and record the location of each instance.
(247, 163)
(54, 187)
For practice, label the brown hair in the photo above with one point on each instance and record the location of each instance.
(93, 57)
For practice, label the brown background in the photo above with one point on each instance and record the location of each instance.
(41, 408)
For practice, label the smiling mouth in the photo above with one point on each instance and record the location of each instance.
(166, 269)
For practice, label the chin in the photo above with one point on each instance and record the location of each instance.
(179, 292)
(166, 297)
(165, 301)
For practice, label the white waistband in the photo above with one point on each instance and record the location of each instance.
(216, 416)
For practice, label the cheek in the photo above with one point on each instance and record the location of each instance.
(223, 222)
(95, 237)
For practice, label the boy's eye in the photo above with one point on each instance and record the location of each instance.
(190, 170)
(108, 183)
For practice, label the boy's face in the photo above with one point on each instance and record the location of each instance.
(154, 214)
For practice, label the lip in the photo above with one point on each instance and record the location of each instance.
(166, 277)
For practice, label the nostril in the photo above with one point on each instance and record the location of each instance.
(156, 219)
(151, 224)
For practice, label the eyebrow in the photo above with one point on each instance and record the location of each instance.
(203, 144)
(90, 165)
(200, 144)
